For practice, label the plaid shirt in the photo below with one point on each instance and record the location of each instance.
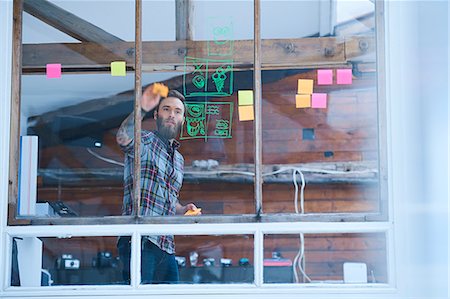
(161, 178)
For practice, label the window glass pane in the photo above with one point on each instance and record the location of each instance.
(208, 61)
(67, 261)
(77, 86)
(320, 111)
(200, 259)
(319, 258)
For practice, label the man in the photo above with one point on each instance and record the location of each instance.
(161, 179)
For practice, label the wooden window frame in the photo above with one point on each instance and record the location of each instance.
(258, 216)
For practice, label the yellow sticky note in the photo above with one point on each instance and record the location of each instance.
(118, 68)
(246, 113)
(245, 97)
(302, 101)
(305, 86)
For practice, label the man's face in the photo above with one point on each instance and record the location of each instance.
(170, 117)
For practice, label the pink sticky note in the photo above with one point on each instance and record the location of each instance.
(324, 77)
(319, 100)
(53, 70)
(344, 76)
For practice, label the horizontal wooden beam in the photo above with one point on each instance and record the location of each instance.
(67, 22)
(315, 173)
(245, 218)
(276, 53)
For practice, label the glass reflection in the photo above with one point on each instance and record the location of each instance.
(201, 55)
(76, 86)
(66, 261)
(200, 259)
(325, 258)
(320, 134)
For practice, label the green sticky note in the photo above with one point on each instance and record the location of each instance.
(118, 68)
(245, 97)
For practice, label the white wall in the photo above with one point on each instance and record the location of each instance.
(5, 96)
(418, 95)
(433, 44)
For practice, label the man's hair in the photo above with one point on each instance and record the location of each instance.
(173, 94)
(176, 94)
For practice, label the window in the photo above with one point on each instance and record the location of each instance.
(284, 141)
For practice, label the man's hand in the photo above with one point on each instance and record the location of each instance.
(149, 99)
(181, 210)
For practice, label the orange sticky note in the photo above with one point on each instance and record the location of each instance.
(194, 212)
(305, 86)
(246, 113)
(161, 89)
(118, 68)
(302, 101)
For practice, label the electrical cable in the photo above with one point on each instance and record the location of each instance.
(103, 158)
(301, 260)
(283, 169)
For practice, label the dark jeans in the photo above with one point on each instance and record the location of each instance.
(157, 266)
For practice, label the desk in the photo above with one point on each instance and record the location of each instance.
(188, 275)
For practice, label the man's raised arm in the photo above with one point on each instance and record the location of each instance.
(149, 101)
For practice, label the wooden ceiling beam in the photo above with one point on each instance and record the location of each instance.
(276, 53)
(67, 22)
(182, 15)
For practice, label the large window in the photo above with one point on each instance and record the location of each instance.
(283, 141)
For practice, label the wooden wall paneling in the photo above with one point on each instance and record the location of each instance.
(279, 198)
(87, 202)
(346, 128)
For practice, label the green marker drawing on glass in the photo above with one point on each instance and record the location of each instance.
(212, 110)
(195, 110)
(211, 77)
(219, 77)
(194, 126)
(220, 38)
(222, 126)
(204, 116)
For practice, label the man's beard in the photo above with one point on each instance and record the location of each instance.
(167, 131)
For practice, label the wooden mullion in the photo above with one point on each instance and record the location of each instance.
(257, 90)
(382, 117)
(257, 123)
(182, 15)
(137, 109)
(14, 146)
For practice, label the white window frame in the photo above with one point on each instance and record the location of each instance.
(396, 184)
(258, 230)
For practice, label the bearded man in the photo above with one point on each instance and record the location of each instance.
(161, 179)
